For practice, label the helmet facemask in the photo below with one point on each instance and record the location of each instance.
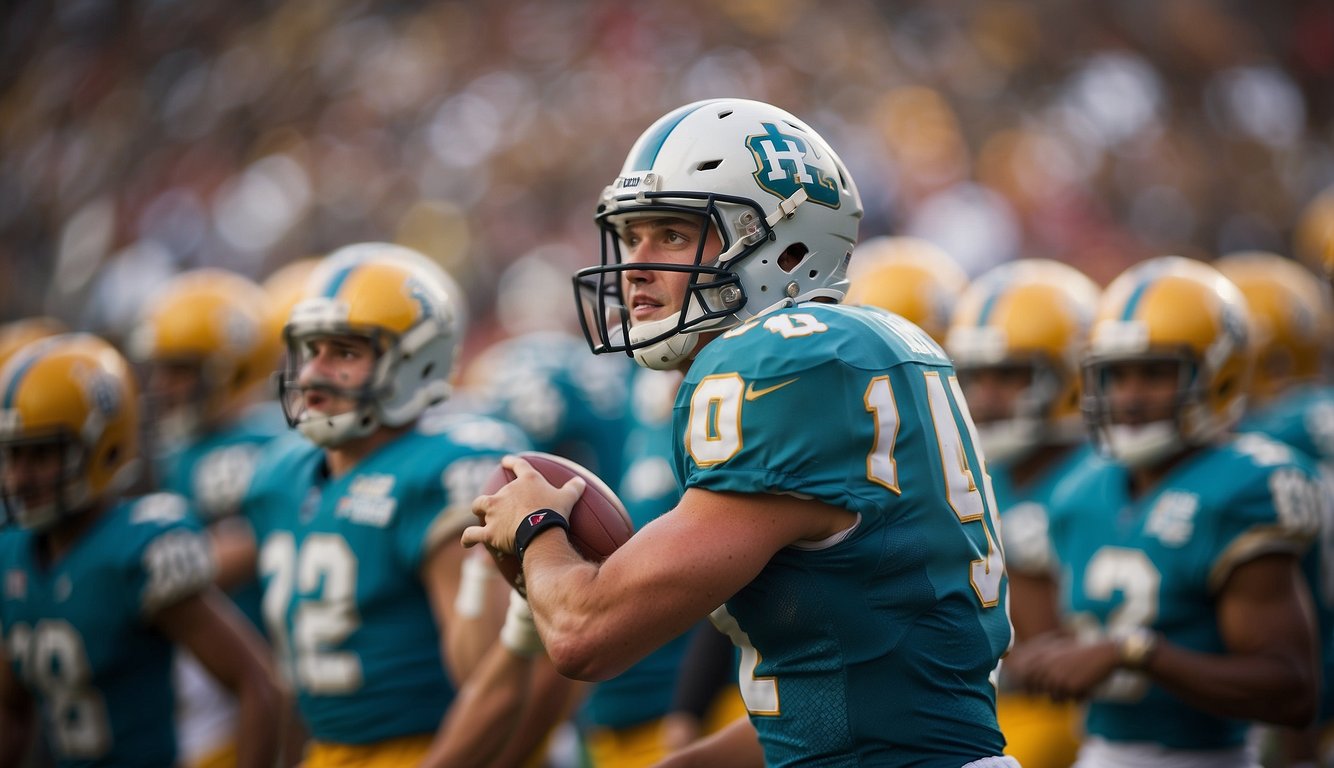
(69, 490)
(1032, 423)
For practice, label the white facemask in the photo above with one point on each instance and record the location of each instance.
(1142, 445)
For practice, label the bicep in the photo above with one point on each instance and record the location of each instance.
(695, 557)
(1265, 608)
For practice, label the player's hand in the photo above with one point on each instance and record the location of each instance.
(528, 492)
(1062, 667)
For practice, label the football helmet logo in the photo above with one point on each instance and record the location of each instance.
(1292, 315)
(910, 277)
(382, 293)
(768, 185)
(1177, 310)
(1034, 314)
(73, 393)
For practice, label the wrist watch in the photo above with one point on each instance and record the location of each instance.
(1136, 647)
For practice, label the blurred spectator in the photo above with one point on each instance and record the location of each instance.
(139, 138)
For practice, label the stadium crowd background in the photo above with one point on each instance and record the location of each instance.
(139, 138)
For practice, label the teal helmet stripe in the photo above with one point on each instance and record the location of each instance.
(12, 391)
(988, 306)
(336, 282)
(652, 143)
(1135, 296)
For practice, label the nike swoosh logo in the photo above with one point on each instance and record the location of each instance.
(755, 394)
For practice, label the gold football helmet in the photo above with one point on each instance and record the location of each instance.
(211, 322)
(18, 334)
(1176, 310)
(1314, 238)
(909, 277)
(1031, 314)
(1292, 316)
(73, 394)
(286, 286)
(407, 315)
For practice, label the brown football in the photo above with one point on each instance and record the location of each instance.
(599, 523)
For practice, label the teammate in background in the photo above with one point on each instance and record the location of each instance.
(1179, 550)
(1294, 328)
(1016, 337)
(203, 343)
(729, 224)
(357, 521)
(1314, 236)
(629, 721)
(99, 587)
(910, 277)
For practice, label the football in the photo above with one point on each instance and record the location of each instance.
(599, 523)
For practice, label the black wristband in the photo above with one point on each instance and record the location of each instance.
(534, 523)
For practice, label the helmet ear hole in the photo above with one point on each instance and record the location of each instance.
(792, 256)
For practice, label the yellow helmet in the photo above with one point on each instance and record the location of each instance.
(1033, 313)
(1314, 238)
(1292, 316)
(408, 317)
(286, 286)
(1180, 310)
(18, 334)
(76, 393)
(909, 277)
(216, 320)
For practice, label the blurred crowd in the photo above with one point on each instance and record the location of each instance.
(140, 138)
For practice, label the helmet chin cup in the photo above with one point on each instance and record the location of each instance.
(1009, 441)
(1144, 445)
(667, 354)
(332, 431)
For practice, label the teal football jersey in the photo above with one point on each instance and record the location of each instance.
(79, 636)
(877, 646)
(1304, 419)
(214, 473)
(340, 560)
(1159, 560)
(568, 401)
(645, 691)
(1024, 512)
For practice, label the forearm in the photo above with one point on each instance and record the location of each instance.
(737, 746)
(1247, 687)
(551, 700)
(16, 728)
(577, 627)
(258, 732)
(482, 718)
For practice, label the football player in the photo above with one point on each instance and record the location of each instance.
(203, 342)
(1015, 338)
(357, 518)
(97, 587)
(1186, 612)
(836, 520)
(1294, 329)
(908, 276)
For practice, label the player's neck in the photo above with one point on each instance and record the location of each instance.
(1145, 479)
(56, 542)
(1038, 462)
(341, 459)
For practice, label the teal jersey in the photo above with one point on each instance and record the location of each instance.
(214, 472)
(340, 561)
(1159, 561)
(79, 631)
(645, 691)
(875, 647)
(1024, 512)
(1304, 419)
(568, 401)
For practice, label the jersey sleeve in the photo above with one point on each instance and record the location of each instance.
(221, 477)
(438, 503)
(1276, 508)
(171, 559)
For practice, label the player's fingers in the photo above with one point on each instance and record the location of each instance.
(473, 535)
(574, 487)
(518, 465)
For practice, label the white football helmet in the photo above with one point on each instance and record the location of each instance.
(769, 185)
(406, 314)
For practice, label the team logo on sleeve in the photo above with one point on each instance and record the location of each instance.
(781, 167)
